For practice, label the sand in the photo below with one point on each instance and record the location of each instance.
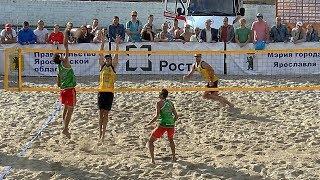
(272, 135)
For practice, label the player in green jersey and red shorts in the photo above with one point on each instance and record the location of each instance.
(66, 81)
(167, 116)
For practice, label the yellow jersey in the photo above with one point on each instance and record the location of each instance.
(207, 74)
(107, 78)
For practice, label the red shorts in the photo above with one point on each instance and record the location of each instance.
(160, 130)
(68, 97)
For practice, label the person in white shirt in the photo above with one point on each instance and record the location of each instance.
(196, 36)
(8, 35)
(41, 33)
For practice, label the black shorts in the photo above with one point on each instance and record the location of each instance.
(213, 85)
(105, 100)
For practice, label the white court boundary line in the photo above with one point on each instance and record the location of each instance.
(23, 150)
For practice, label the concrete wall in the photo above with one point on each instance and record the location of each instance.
(82, 12)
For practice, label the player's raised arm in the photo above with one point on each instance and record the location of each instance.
(101, 57)
(116, 56)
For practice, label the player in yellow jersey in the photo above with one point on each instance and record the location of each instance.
(209, 76)
(106, 86)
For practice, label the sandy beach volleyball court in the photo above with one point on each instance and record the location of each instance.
(273, 135)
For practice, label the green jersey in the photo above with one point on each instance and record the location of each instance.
(66, 77)
(166, 115)
(243, 34)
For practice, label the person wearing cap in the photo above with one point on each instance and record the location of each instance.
(133, 28)
(107, 78)
(209, 34)
(211, 79)
(279, 32)
(298, 34)
(8, 35)
(41, 33)
(90, 33)
(26, 35)
(116, 29)
(56, 37)
(167, 116)
(66, 81)
(260, 30)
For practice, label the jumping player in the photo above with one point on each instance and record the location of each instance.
(66, 81)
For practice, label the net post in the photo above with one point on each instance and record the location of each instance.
(20, 69)
(6, 70)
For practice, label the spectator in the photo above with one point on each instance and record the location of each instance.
(259, 29)
(226, 32)
(116, 29)
(90, 34)
(26, 35)
(209, 34)
(177, 36)
(95, 26)
(196, 36)
(298, 34)
(82, 35)
(243, 34)
(164, 35)
(41, 33)
(133, 28)
(8, 35)
(149, 23)
(56, 37)
(99, 37)
(69, 33)
(187, 33)
(279, 32)
(180, 15)
(312, 34)
(147, 34)
(175, 26)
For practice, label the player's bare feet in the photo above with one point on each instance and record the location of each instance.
(66, 133)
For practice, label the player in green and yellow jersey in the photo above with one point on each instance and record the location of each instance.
(167, 116)
(209, 76)
(66, 81)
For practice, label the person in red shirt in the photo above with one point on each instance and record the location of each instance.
(56, 37)
(226, 32)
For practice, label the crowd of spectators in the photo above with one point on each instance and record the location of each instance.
(135, 31)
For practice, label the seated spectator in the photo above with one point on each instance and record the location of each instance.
(279, 32)
(243, 34)
(226, 32)
(147, 34)
(164, 35)
(133, 28)
(26, 35)
(56, 37)
(116, 29)
(90, 35)
(150, 23)
(196, 36)
(82, 35)
(180, 15)
(260, 32)
(175, 26)
(312, 34)
(187, 33)
(41, 33)
(209, 34)
(177, 36)
(298, 34)
(8, 35)
(70, 34)
(95, 26)
(99, 37)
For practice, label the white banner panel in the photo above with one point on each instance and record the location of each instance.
(275, 63)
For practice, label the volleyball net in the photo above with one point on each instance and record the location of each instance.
(145, 67)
